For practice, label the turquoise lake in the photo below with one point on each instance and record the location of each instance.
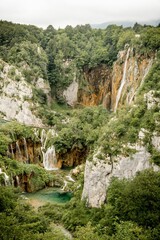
(49, 195)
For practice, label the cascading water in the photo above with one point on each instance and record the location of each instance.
(49, 159)
(18, 150)
(70, 179)
(65, 185)
(12, 153)
(26, 150)
(49, 154)
(122, 81)
(17, 181)
(6, 178)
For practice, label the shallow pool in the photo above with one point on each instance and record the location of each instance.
(51, 195)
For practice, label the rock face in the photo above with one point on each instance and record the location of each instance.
(151, 99)
(16, 97)
(95, 87)
(26, 151)
(129, 72)
(72, 158)
(117, 86)
(45, 87)
(70, 93)
(99, 172)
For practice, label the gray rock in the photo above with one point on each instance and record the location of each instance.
(98, 173)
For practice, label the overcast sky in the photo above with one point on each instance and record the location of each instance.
(60, 13)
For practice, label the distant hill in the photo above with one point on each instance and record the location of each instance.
(125, 23)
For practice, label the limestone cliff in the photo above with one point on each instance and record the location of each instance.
(72, 158)
(26, 151)
(99, 172)
(16, 96)
(117, 86)
(95, 87)
(70, 94)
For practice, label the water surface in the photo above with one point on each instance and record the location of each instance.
(47, 195)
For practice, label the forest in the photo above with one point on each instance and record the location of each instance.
(131, 209)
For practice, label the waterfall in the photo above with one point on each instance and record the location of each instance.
(12, 153)
(70, 178)
(65, 185)
(17, 181)
(48, 153)
(18, 150)
(43, 138)
(26, 150)
(122, 81)
(49, 159)
(6, 178)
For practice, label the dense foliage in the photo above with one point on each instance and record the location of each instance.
(61, 55)
(19, 221)
(132, 210)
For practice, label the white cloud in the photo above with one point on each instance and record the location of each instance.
(60, 13)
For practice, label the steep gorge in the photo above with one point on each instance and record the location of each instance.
(117, 86)
(36, 84)
(101, 85)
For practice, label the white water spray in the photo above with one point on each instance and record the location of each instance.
(122, 81)
(65, 185)
(49, 154)
(6, 178)
(70, 178)
(49, 159)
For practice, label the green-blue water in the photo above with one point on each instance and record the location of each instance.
(51, 195)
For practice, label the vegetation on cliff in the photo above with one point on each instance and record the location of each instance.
(59, 55)
(131, 210)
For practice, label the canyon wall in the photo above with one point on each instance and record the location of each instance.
(95, 89)
(129, 72)
(117, 86)
(17, 98)
(98, 172)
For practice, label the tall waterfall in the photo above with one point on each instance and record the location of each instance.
(49, 154)
(122, 81)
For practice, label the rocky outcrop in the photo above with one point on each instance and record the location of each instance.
(95, 88)
(16, 96)
(43, 85)
(70, 94)
(72, 158)
(26, 151)
(98, 172)
(152, 100)
(117, 86)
